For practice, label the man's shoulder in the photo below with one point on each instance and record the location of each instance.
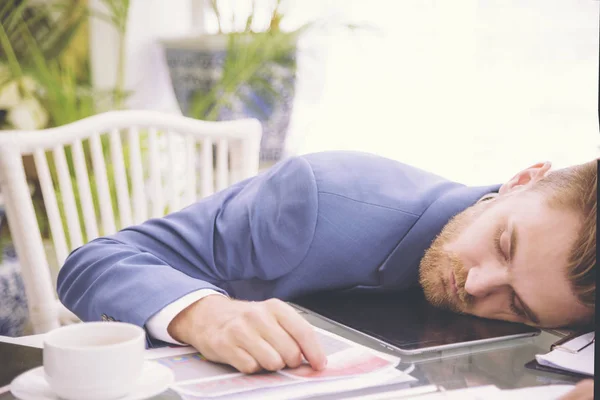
(376, 180)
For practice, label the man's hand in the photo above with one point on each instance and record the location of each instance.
(250, 336)
(584, 390)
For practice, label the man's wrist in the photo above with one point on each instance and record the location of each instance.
(182, 324)
(157, 324)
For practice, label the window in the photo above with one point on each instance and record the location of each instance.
(474, 90)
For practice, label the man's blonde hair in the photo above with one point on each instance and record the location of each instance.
(575, 188)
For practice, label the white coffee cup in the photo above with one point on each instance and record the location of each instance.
(94, 360)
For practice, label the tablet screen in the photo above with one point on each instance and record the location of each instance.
(406, 320)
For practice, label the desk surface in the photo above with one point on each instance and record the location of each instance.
(500, 364)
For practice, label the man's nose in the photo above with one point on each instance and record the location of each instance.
(481, 281)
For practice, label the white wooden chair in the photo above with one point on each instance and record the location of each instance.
(186, 142)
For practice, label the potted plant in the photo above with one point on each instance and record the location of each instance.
(45, 81)
(245, 72)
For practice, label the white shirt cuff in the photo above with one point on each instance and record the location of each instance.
(158, 324)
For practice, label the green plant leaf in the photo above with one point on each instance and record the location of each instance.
(249, 61)
(52, 27)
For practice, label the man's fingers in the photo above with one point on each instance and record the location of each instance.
(241, 360)
(223, 351)
(302, 332)
(262, 352)
(584, 390)
(245, 333)
(286, 346)
(282, 342)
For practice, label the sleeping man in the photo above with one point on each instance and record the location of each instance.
(216, 274)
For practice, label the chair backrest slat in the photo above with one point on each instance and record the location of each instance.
(116, 153)
(106, 172)
(222, 164)
(206, 169)
(191, 184)
(140, 203)
(52, 211)
(235, 161)
(85, 194)
(156, 189)
(173, 194)
(103, 191)
(27, 239)
(67, 196)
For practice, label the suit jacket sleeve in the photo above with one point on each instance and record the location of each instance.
(259, 228)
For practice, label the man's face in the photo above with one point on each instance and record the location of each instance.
(506, 259)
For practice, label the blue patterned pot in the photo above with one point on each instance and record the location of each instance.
(13, 301)
(196, 65)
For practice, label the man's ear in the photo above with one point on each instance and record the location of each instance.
(526, 178)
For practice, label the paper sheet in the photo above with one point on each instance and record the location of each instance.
(491, 392)
(402, 393)
(549, 392)
(302, 390)
(474, 393)
(581, 362)
(356, 365)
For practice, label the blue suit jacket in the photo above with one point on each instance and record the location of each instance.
(326, 221)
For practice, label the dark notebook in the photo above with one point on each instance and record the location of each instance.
(16, 359)
(533, 364)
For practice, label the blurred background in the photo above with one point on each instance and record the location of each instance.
(474, 90)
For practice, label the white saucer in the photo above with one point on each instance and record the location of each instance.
(32, 385)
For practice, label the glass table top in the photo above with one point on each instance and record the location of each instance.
(501, 364)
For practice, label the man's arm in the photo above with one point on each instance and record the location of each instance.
(109, 279)
(257, 229)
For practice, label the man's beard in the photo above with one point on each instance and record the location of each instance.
(435, 265)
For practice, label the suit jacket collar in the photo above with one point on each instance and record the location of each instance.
(401, 268)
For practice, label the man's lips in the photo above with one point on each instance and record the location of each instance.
(453, 286)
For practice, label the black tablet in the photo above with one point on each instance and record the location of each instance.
(406, 322)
